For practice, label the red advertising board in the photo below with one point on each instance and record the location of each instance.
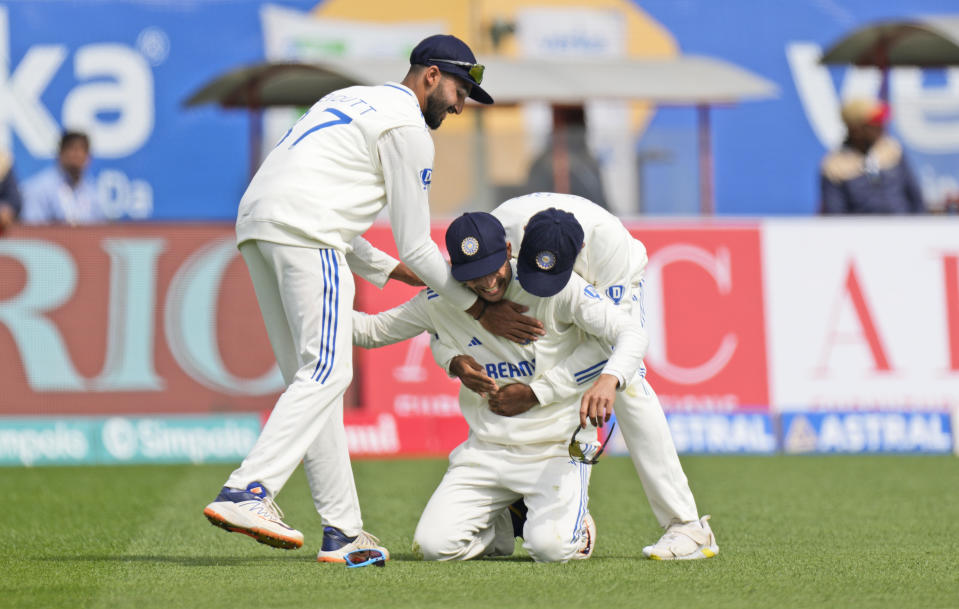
(707, 329)
(130, 319)
(162, 319)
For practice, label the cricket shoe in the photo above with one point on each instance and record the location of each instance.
(517, 514)
(589, 539)
(253, 512)
(504, 536)
(336, 545)
(688, 541)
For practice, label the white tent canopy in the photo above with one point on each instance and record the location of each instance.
(677, 81)
(685, 80)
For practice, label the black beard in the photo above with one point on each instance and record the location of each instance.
(435, 111)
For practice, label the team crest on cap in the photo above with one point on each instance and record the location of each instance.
(545, 260)
(469, 246)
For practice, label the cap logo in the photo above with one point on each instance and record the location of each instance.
(469, 246)
(545, 260)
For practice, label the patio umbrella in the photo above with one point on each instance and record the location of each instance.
(925, 42)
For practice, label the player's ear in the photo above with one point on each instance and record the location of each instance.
(509, 250)
(431, 77)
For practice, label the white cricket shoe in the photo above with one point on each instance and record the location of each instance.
(687, 541)
(504, 536)
(336, 545)
(589, 539)
(253, 512)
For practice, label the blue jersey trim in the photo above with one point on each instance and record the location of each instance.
(590, 370)
(410, 93)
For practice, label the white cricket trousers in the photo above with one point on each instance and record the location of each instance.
(646, 433)
(651, 447)
(306, 299)
(483, 479)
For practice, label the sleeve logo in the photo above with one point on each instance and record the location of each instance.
(426, 177)
(591, 292)
(615, 293)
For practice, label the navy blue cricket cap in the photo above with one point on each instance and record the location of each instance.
(453, 56)
(476, 243)
(546, 257)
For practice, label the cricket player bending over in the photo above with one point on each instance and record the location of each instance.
(524, 456)
(614, 263)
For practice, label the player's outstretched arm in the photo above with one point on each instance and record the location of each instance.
(406, 154)
(597, 402)
(402, 273)
(393, 325)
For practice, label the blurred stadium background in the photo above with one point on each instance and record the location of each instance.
(773, 331)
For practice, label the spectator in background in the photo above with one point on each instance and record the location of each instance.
(63, 193)
(9, 193)
(566, 165)
(869, 174)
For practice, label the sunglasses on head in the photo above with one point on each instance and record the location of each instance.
(586, 452)
(364, 558)
(475, 70)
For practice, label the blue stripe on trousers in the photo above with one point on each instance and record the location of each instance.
(329, 322)
(336, 314)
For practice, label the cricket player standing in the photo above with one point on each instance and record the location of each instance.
(524, 456)
(356, 151)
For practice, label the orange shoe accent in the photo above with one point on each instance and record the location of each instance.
(262, 536)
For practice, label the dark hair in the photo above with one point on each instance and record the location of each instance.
(69, 137)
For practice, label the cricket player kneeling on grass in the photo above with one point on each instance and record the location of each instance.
(520, 453)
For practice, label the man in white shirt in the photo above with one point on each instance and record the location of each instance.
(526, 455)
(64, 193)
(356, 151)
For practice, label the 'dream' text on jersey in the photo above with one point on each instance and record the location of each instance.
(508, 370)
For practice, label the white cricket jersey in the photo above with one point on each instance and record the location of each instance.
(611, 260)
(578, 309)
(610, 256)
(355, 151)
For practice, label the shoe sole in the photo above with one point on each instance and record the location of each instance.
(330, 559)
(260, 535)
(591, 545)
(697, 555)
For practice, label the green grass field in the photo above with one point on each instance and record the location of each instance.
(876, 531)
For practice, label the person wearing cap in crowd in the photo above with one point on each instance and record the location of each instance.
(357, 151)
(526, 456)
(869, 173)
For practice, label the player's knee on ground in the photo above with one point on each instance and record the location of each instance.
(433, 544)
(546, 543)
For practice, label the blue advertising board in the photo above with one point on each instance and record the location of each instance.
(867, 432)
(714, 433)
(116, 440)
